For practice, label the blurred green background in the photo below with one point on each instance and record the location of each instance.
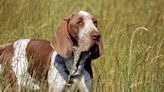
(132, 33)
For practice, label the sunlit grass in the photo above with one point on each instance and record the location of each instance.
(133, 61)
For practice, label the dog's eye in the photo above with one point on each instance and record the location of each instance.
(80, 22)
(95, 23)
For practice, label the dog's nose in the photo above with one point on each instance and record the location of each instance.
(95, 35)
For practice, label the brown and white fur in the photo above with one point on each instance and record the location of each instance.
(31, 60)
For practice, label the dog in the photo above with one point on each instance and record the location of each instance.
(31, 60)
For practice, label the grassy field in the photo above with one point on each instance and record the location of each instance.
(132, 33)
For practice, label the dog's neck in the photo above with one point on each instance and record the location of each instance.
(74, 65)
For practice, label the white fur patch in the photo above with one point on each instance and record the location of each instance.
(84, 33)
(20, 65)
(85, 82)
(84, 13)
(55, 80)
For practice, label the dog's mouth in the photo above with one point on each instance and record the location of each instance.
(86, 45)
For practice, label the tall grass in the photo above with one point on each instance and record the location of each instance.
(133, 59)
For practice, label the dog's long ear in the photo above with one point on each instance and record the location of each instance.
(61, 41)
(97, 50)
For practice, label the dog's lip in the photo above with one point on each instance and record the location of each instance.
(94, 38)
(94, 42)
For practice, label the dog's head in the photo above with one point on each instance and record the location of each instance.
(81, 30)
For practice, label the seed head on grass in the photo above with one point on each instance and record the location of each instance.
(132, 38)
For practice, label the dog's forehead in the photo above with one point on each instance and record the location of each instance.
(84, 14)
